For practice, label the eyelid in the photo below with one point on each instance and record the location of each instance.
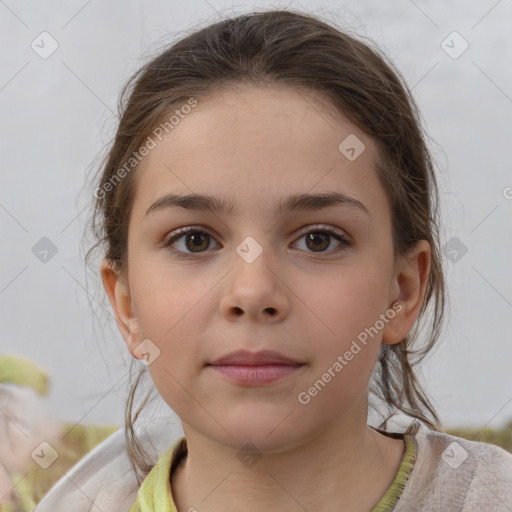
(305, 229)
(342, 237)
(324, 227)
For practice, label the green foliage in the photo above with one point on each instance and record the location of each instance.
(500, 437)
(75, 443)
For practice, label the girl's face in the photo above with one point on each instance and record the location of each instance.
(251, 278)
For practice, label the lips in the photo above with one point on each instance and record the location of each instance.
(249, 369)
(246, 358)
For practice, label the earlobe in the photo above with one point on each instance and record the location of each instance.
(120, 299)
(408, 290)
(134, 337)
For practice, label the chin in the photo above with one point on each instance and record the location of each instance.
(262, 436)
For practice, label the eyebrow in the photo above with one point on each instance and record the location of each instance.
(294, 202)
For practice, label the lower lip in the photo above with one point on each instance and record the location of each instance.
(255, 375)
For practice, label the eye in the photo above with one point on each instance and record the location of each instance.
(194, 239)
(197, 241)
(318, 237)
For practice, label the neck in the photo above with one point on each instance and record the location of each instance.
(348, 467)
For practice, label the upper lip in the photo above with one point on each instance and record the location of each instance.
(244, 357)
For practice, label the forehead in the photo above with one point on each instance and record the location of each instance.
(255, 145)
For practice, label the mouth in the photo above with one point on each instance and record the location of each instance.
(255, 374)
(253, 369)
(262, 358)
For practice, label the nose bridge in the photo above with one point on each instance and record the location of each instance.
(254, 287)
(254, 261)
(255, 233)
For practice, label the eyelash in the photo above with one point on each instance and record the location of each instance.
(195, 229)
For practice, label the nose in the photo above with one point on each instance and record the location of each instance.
(256, 290)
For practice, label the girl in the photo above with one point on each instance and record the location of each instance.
(268, 213)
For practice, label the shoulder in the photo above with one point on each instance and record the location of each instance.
(452, 473)
(105, 476)
(487, 460)
(482, 471)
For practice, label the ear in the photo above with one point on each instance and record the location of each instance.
(120, 299)
(408, 289)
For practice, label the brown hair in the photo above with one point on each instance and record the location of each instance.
(297, 50)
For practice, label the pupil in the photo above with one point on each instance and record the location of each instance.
(195, 238)
(315, 238)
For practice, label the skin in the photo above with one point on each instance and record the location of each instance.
(256, 145)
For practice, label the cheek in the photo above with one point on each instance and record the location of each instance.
(168, 316)
(347, 331)
(346, 304)
(166, 301)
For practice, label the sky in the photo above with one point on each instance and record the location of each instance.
(63, 67)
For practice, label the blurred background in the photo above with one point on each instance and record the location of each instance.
(63, 64)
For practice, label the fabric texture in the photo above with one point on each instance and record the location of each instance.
(457, 475)
(393, 494)
(444, 473)
(155, 492)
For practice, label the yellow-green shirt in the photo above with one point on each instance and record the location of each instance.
(155, 494)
